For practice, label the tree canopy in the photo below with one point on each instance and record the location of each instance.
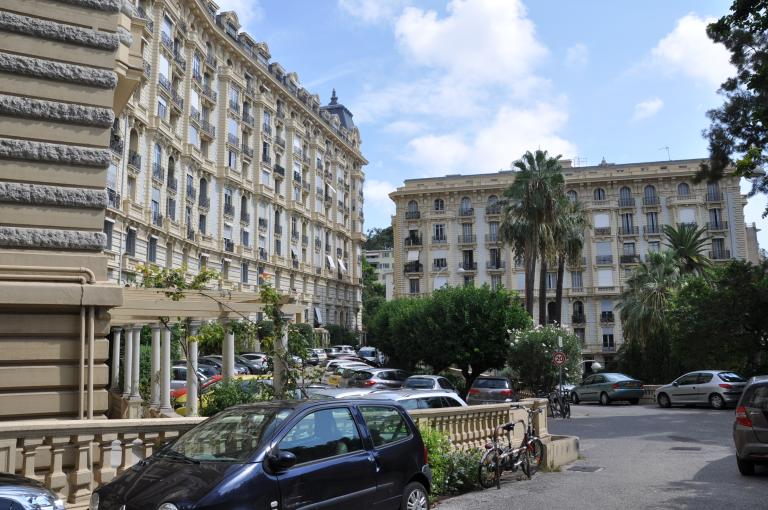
(378, 239)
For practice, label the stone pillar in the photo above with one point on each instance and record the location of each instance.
(128, 370)
(228, 353)
(154, 399)
(117, 335)
(165, 373)
(135, 395)
(192, 370)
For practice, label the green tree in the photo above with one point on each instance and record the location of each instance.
(374, 292)
(531, 356)
(688, 245)
(568, 238)
(530, 208)
(378, 239)
(738, 133)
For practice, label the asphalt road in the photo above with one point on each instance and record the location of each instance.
(645, 458)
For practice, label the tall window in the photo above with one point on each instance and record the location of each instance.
(152, 249)
(627, 223)
(466, 230)
(108, 229)
(494, 256)
(650, 194)
(599, 194)
(413, 206)
(244, 272)
(130, 242)
(551, 280)
(577, 279)
(625, 193)
(466, 204)
(629, 249)
(439, 232)
(718, 249)
(495, 281)
(413, 285)
(683, 189)
(652, 222)
(439, 204)
(654, 247)
(202, 223)
(572, 195)
(608, 339)
(715, 218)
(713, 191)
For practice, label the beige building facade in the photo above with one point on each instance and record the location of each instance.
(446, 232)
(383, 262)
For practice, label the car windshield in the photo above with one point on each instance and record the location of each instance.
(617, 377)
(730, 377)
(230, 436)
(367, 352)
(418, 382)
(494, 384)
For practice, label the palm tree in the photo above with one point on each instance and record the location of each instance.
(569, 229)
(687, 244)
(529, 213)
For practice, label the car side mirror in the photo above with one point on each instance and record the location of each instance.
(281, 460)
(675, 384)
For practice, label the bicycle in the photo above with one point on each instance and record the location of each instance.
(559, 406)
(500, 457)
(531, 439)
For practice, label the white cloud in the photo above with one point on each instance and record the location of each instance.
(647, 108)
(377, 197)
(688, 50)
(405, 127)
(372, 11)
(248, 12)
(577, 56)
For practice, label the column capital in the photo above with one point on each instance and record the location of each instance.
(115, 329)
(156, 326)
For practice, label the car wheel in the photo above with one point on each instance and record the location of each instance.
(575, 398)
(634, 401)
(415, 497)
(746, 468)
(663, 400)
(717, 401)
(604, 399)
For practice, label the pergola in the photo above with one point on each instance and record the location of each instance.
(157, 309)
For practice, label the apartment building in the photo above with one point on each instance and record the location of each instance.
(446, 232)
(221, 160)
(382, 262)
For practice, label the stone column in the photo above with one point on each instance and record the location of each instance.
(135, 395)
(192, 370)
(165, 372)
(154, 399)
(117, 335)
(228, 353)
(128, 370)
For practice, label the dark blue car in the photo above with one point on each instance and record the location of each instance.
(340, 454)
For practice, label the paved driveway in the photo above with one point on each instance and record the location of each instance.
(646, 458)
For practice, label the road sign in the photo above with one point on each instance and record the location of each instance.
(559, 358)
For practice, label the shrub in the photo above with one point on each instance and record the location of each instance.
(231, 393)
(438, 450)
(453, 471)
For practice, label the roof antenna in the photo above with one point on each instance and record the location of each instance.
(667, 149)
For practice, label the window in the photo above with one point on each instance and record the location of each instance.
(577, 279)
(322, 434)
(385, 424)
(469, 281)
(152, 250)
(650, 193)
(608, 339)
(201, 224)
(162, 108)
(605, 278)
(232, 159)
(652, 222)
(130, 242)
(439, 204)
(683, 189)
(108, 228)
(687, 215)
(551, 280)
(466, 204)
(625, 193)
(715, 218)
(654, 247)
(495, 281)
(170, 208)
(572, 195)
(413, 206)
(203, 262)
(599, 194)
(629, 249)
(718, 249)
(466, 230)
(601, 220)
(580, 334)
(413, 285)
(627, 223)
(713, 191)
(439, 232)
(440, 263)
(495, 257)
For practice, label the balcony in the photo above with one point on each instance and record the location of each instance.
(413, 241)
(306, 186)
(197, 77)
(262, 254)
(207, 128)
(493, 209)
(233, 139)
(280, 113)
(628, 231)
(147, 70)
(190, 234)
(280, 141)
(157, 219)
(295, 235)
(158, 172)
(602, 231)
(629, 259)
(493, 238)
(467, 239)
(652, 230)
(413, 267)
(467, 212)
(602, 260)
(162, 111)
(177, 100)
(714, 197)
(191, 193)
(578, 318)
(173, 183)
(318, 244)
(412, 215)
(468, 266)
(279, 171)
(627, 202)
(179, 59)
(204, 202)
(296, 176)
(720, 254)
(245, 217)
(650, 201)
(164, 83)
(194, 114)
(717, 226)
(229, 209)
(210, 61)
(229, 245)
(166, 41)
(609, 348)
(234, 106)
(145, 17)
(278, 229)
(439, 240)
(578, 262)
(209, 93)
(266, 128)
(265, 158)
(304, 240)
(116, 144)
(496, 265)
(113, 199)
(247, 151)
(248, 119)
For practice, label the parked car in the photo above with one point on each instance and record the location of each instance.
(750, 430)
(419, 399)
(218, 360)
(20, 493)
(379, 378)
(342, 373)
(317, 356)
(283, 455)
(718, 388)
(330, 392)
(257, 358)
(490, 390)
(180, 394)
(179, 377)
(428, 382)
(607, 387)
(371, 354)
(345, 349)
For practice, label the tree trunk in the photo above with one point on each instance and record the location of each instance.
(559, 292)
(543, 292)
(530, 279)
(279, 368)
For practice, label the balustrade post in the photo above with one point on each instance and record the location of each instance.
(55, 479)
(137, 451)
(107, 468)
(29, 457)
(117, 334)
(165, 372)
(128, 358)
(228, 353)
(154, 399)
(80, 479)
(127, 445)
(150, 442)
(136, 376)
(192, 369)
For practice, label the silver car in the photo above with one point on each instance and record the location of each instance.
(717, 388)
(750, 429)
(419, 399)
(428, 382)
(490, 390)
(378, 378)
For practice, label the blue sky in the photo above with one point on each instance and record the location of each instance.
(467, 86)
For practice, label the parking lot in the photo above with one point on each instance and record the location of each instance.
(636, 457)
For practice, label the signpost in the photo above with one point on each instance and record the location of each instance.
(558, 359)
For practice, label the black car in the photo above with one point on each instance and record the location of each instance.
(19, 493)
(340, 454)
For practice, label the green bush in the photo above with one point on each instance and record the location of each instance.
(438, 450)
(463, 473)
(339, 335)
(231, 393)
(453, 471)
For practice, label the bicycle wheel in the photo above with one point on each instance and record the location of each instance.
(536, 453)
(489, 469)
(525, 463)
(567, 409)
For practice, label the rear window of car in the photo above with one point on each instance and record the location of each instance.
(385, 424)
(367, 352)
(418, 383)
(362, 375)
(494, 384)
(730, 377)
(617, 377)
(758, 398)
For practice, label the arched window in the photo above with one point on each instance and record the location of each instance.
(599, 194)
(578, 311)
(171, 167)
(133, 143)
(572, 195)
(650, 191)
(439, 204)
(466, 206)
(625, 192)
(493, 200)
(649, 195)
(683, 189)
(413, 206)
(713, 191)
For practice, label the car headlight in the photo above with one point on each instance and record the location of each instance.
(94, 502)
(59, 505)
(167, 506)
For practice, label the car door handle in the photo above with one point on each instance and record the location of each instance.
(372, 458)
